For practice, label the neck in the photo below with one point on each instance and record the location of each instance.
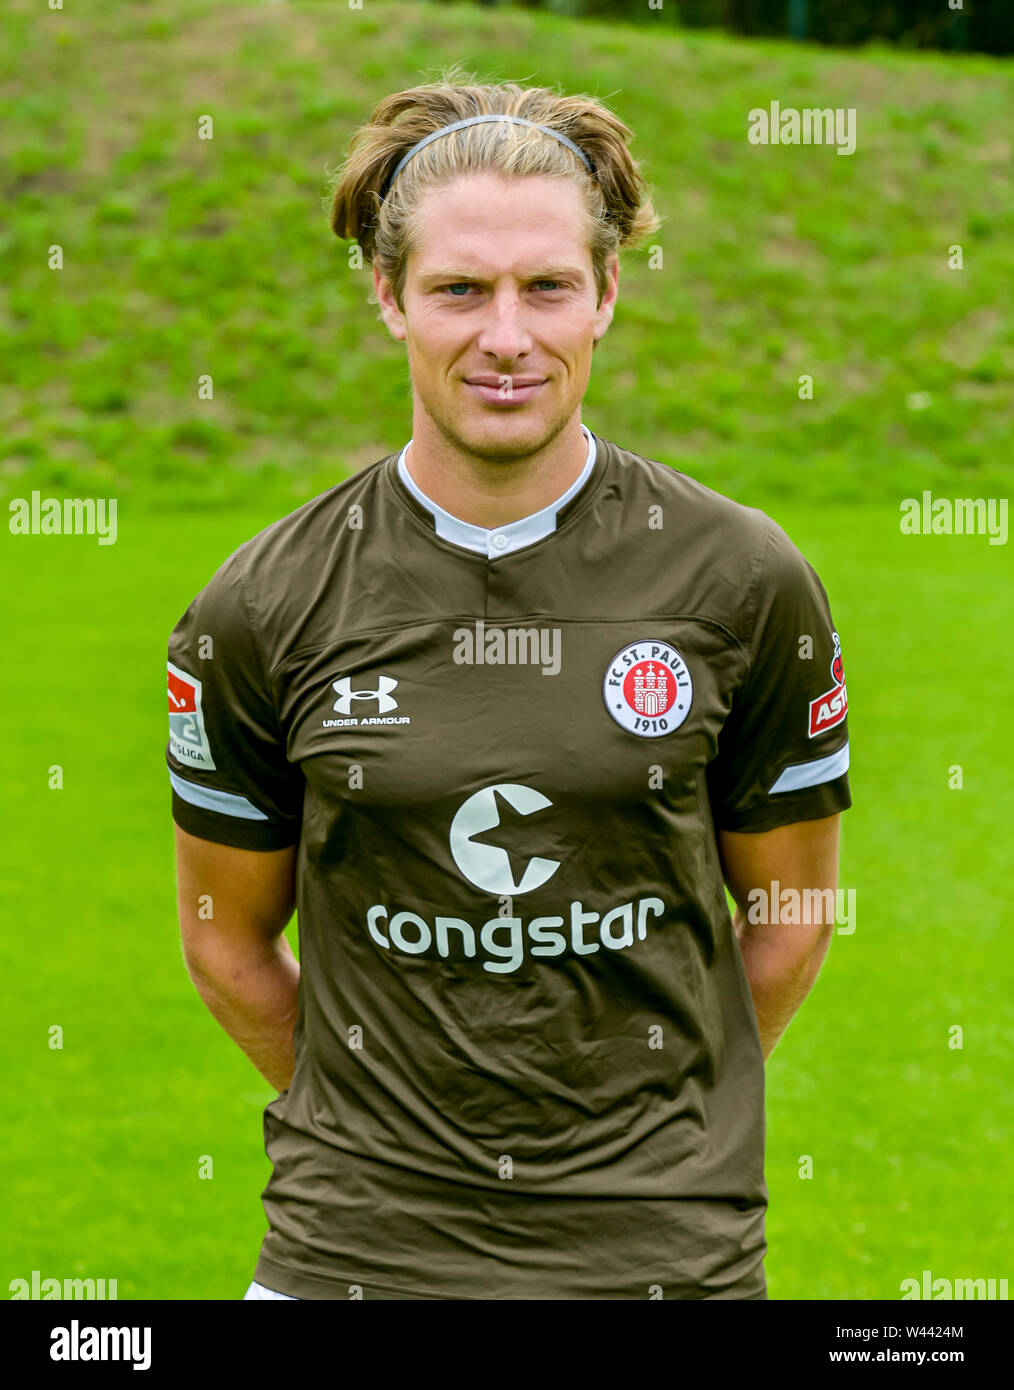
(491, 491)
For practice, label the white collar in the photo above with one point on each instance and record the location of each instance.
(502, 540)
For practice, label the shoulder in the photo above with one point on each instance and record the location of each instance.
(266, 579)
(304, 537)
(284, 558)
(711, 556)
(691, 502)
(709, 528)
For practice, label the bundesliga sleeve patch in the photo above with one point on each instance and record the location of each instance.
(188, 738)
(830, 709)
(647, 689)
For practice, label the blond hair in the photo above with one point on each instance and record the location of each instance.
(616, 200)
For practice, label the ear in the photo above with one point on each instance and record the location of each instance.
(604, 313)
(389, 310)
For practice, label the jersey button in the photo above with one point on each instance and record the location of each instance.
(500, 541)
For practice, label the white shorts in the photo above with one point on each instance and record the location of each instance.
(259, 1291)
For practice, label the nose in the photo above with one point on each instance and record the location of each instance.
(504, 334)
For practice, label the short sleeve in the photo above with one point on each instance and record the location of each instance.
(231, 780)
(783, 752)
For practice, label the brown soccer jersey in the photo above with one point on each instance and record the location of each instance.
(527, 1062)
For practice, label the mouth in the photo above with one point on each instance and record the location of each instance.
(490, 390)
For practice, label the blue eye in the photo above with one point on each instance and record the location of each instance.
(466, 285)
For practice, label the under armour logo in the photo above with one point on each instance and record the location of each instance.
(382, 695)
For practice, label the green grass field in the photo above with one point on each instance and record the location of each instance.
(184, 257)
(909, 1139)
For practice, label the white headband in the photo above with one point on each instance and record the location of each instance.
(476, 120)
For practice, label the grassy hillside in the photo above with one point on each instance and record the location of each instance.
(184, 257)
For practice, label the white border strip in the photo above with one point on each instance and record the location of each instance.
(225, 803)
(800, 775)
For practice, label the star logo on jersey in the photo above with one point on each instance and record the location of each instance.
(647, 688)
(830, 709)
(492, 837)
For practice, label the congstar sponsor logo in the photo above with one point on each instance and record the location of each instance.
(491, 842)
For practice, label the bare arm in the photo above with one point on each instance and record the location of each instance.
(233, 907)
(782, 960)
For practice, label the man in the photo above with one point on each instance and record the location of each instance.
(500, 715)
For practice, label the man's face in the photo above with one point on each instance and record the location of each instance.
(500, 291)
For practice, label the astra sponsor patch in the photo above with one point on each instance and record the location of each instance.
(647, 688)
(188, 738)
(830, 709)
